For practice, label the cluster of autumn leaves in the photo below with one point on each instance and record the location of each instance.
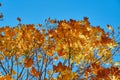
(99, 72)
(72, 50)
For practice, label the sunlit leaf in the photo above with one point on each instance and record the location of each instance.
(116, 63)
(109, 27)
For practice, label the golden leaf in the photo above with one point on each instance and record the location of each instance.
(52, 21)
(39, 56)
(45, 60)
(1, 57)
(50, 53)
(50, 72)
(13, 72)
(109, 27)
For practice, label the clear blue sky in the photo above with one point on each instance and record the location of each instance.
(100, 12)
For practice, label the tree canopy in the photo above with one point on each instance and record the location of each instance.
(63, 50)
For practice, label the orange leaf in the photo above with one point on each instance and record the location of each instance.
(45, 60)
(49, 53)
(58, 68)
(28, 62)
(56, 58)
(61, 53)
(34, 72)
(6, 77)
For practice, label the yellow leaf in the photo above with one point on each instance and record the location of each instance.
(39, 56)
(109, 27)
(117, 63)
(1, 57)
(50, 72)
(13, 72)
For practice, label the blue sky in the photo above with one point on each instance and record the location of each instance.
(99, 12)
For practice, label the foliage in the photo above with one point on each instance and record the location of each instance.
(64, 50)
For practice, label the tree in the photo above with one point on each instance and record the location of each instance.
(64, 50)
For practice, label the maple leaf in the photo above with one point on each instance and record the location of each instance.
(28, 62)
(34, 72)
(61, 52)
(58, 68)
